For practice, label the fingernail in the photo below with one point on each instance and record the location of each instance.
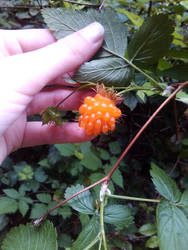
(93, 32)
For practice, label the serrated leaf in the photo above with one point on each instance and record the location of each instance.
(151, 41)
(8, 205)
(111, 70)
(65, 22)
(88, 234)
(172, 226)
(29, 237)
(115, 147)
(66, 149)
(38, 210)
(91, 161)
(45, 198)
(164, 184)
(119, 215)
(117, 177)
(23, 207)
(83, 202)
(147, 229)
(65, 212)
(12, 193)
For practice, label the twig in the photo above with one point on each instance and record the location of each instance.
(181, 86)
(107, 178)
(38, 221)
(150, 8)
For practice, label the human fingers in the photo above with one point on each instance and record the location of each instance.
(31, 71)
(36, 134)
(19, 41)
(52, 96)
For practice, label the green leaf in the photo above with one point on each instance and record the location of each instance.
(178, 53)
(185, 141)
(130, 100)
(110, 71)
(178, 72)
(40, 175)
(23, 207)
(65, 212)
(104, 155)
(172, 226)
(38, 210)
(151, 41)
(147, 229)
(105, 67)
(117, 177)
(27, 237)
(182, 96)
(135, 19)
(152, 242)
(45, 198)
(83, 202)
(84, 219)
(8, 205)
(119, 215)
(12, 193)
(91, 161)
(115, 147)
(88, 234)
(66, 149)
(184, 200)
(164, 184)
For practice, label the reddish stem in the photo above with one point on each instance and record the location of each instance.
(108, 176)
(143, 128)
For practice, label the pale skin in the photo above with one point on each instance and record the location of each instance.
(29, 61)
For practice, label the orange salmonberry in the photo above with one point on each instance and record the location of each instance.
(98, 114)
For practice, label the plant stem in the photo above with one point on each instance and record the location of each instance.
(132, 198)
(132, 89)
(181, 86)
(102, 224)
(153, 81)
(39, 221)
(74, 91)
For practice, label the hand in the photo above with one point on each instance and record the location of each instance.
(30, 60)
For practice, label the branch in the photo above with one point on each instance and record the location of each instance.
(181, 86)
(107, 178)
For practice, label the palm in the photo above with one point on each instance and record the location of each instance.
(29, 61)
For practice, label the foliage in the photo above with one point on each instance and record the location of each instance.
(144, 51)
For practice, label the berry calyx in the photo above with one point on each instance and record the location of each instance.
(99, 113)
